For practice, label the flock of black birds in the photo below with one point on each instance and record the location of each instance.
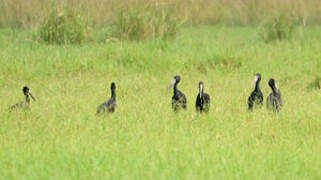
(179, 101)
(274, 100)
(202, 104)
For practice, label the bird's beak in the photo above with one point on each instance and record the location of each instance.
(201, 90)
(32, 96)
(171, 84)
(254, 81)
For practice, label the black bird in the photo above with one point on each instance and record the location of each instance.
(178, 99)
(256, 97)
(111, 104)
(274, 101)
(202, 99)
(24, 104)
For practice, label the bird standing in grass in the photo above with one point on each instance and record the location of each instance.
(111, 104)
(256, 97)
(274, 100)
(178, 99)
(202, 100)
(24, 104)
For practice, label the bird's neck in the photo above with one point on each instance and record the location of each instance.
(27, 99)
(113, 94)
(257, 85)
(201, 93)
(274, 90)
(175, 88)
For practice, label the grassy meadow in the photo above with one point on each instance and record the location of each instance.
(61, 137)
(68, 53)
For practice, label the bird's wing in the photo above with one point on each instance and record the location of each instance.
(207, 97)
(181, 96)
(184, 98)
(250, 100)
(101, 107)
(280, 98)
(111, 103)
(18, 105)
(197, 99)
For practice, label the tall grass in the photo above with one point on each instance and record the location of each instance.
(20, 13)
(63, 27)
(277, 28)
(146, 21)
(61, 138)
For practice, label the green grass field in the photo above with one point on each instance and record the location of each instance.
(62, 138)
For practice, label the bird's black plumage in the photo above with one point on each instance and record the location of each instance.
(256, 97)
(274, 100)
(24, 104)
(111, 104)
(202, 100)
(178, 99)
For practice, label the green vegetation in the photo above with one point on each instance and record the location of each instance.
(146, 22)
(68, 52)
(27, 14)
(63, 28)
(61, 137)
(279, 28)
(316, 84)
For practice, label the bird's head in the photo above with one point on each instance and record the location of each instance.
(257, 78)
(272, 83)
(176, 80)
(26, 92)
(112, 86)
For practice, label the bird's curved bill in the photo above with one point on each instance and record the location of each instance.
(32, 96)
(171, 84)
(254, 81)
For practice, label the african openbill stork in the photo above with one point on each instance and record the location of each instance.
(178, 99)
(24, 104)
(274, 100)
(256, 97)
(203, 99)
(111, 104)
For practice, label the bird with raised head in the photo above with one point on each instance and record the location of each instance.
(178, 99)
(256, 97)
(24, 104)
(274, 100)
(203, 99)
(111, 104)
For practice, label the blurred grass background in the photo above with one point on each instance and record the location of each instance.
(27, 14)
